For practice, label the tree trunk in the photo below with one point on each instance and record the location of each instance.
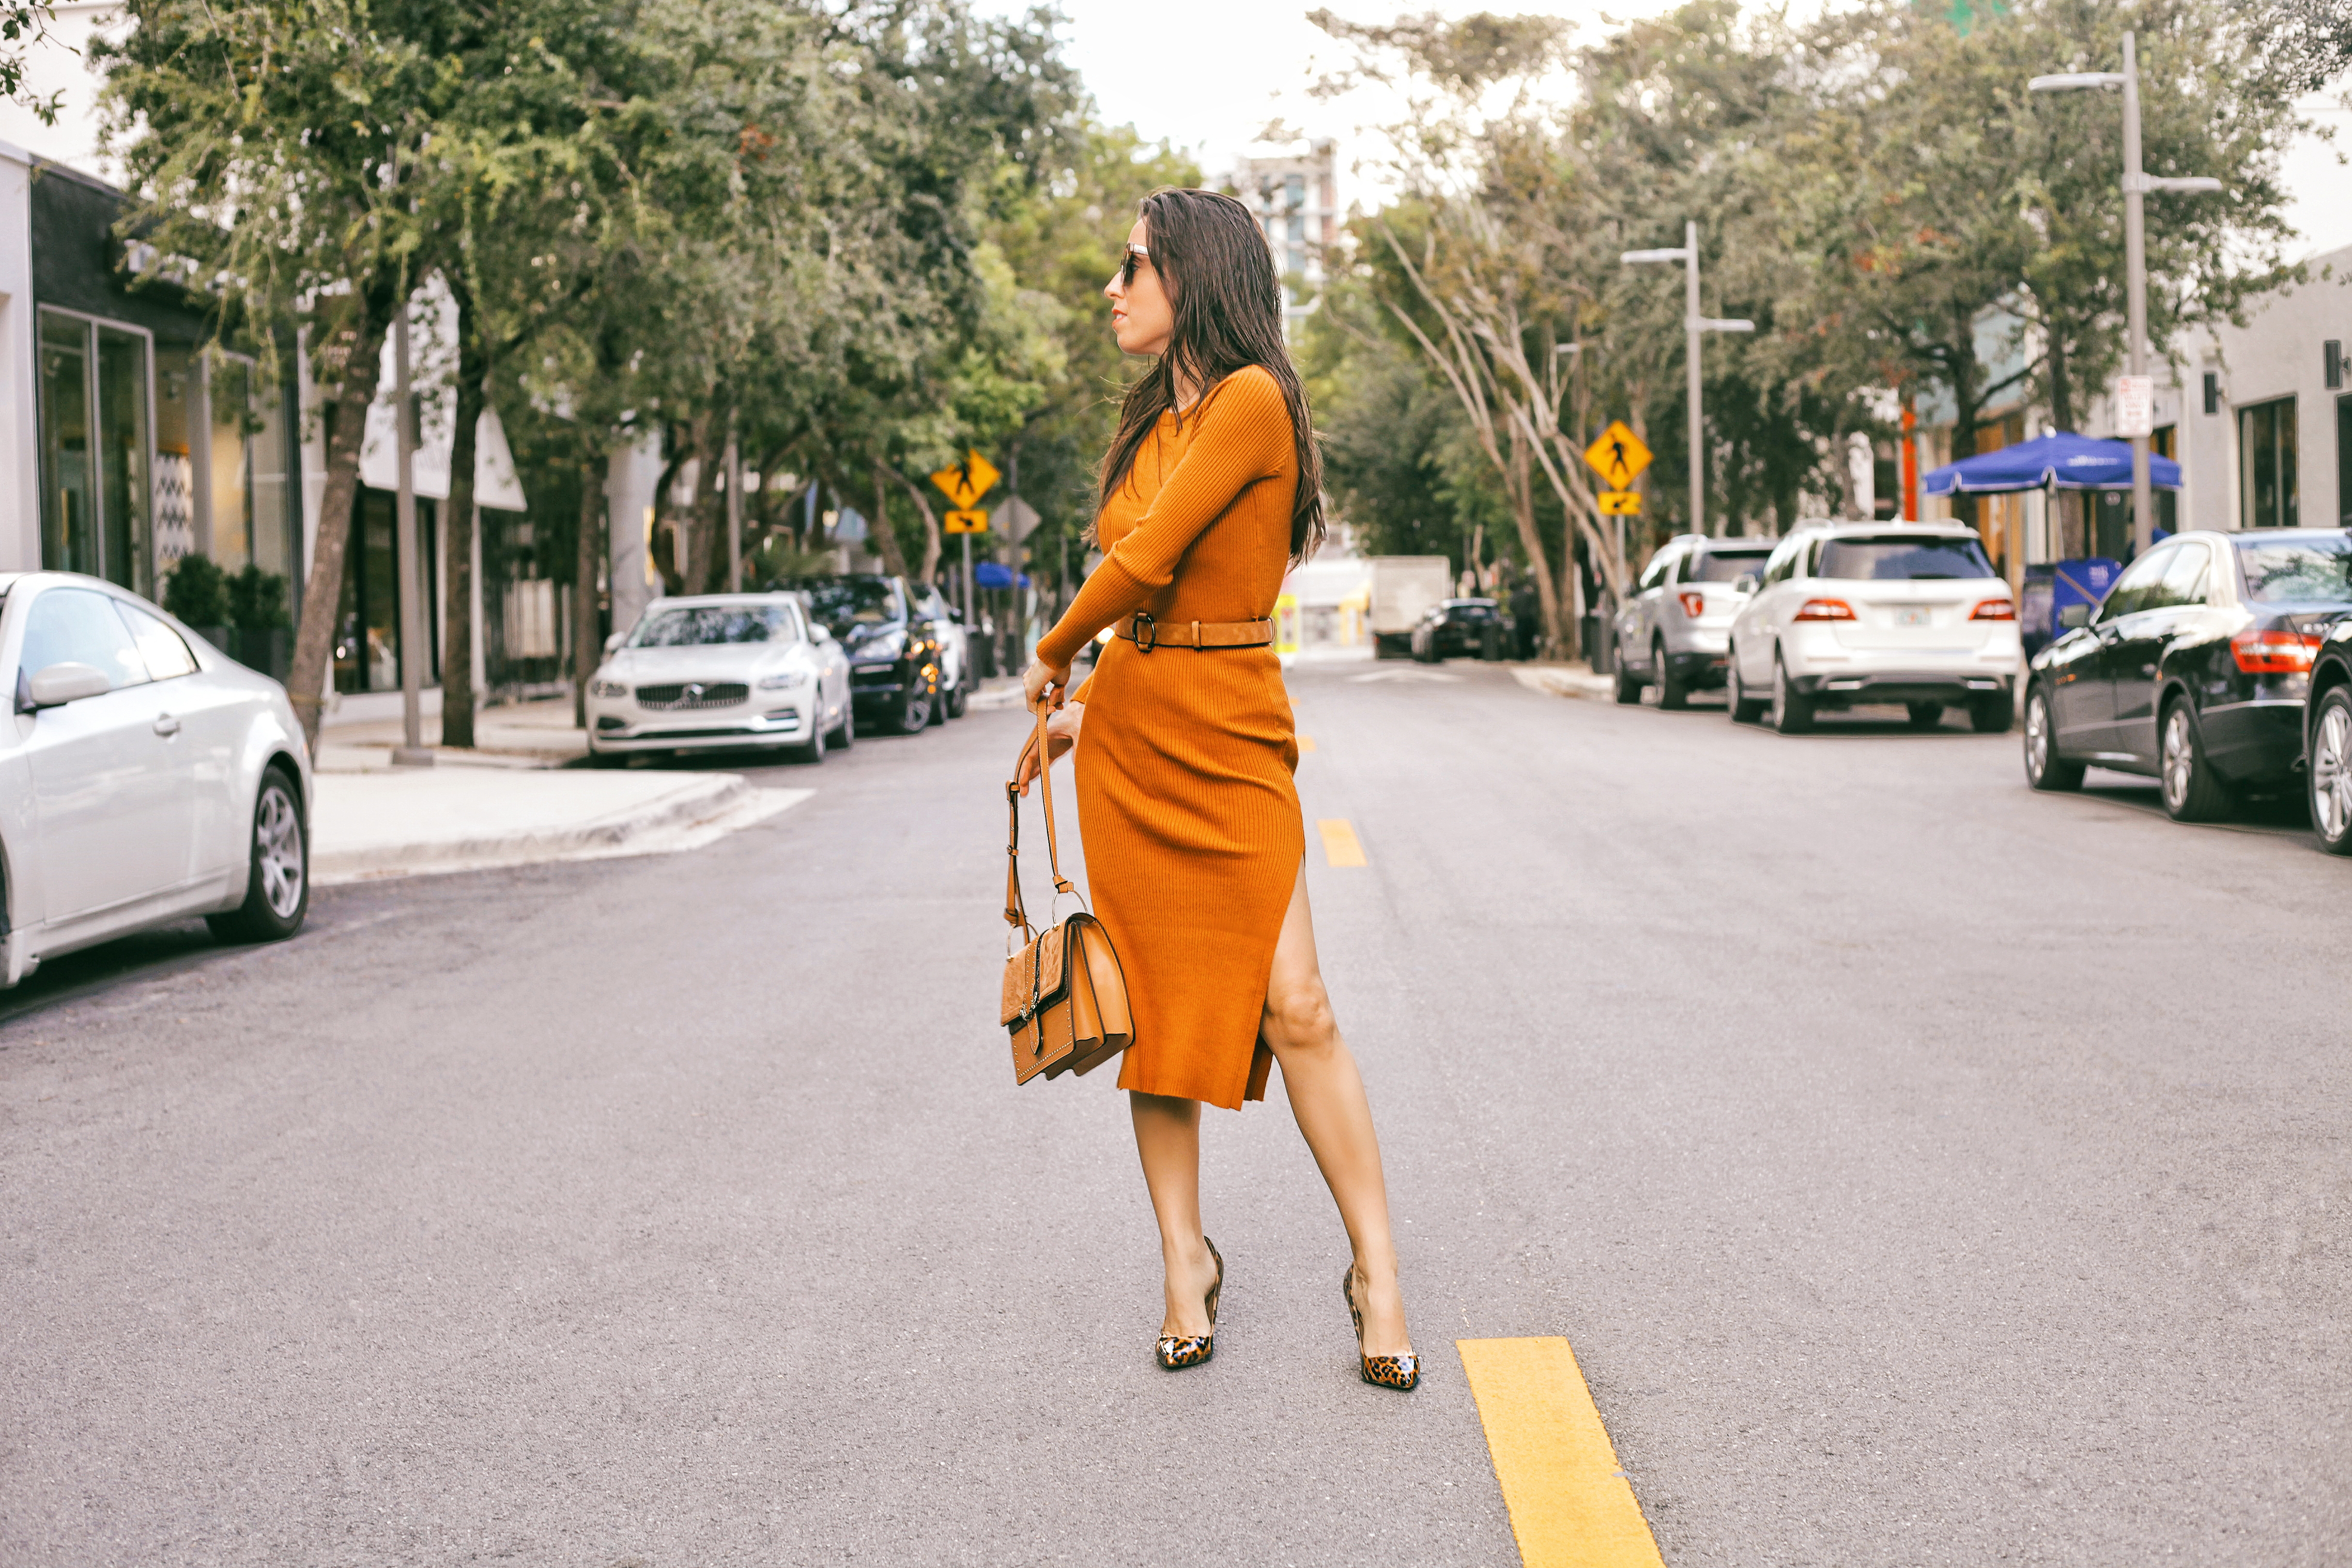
(587, 556)
(2062, 390)
(322, 591)
(878, 528)
(1521, 485)
(457, 615)
(932, 540)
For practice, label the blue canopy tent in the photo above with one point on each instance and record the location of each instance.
(993, 574)
(2056, 594)
(2055, 461)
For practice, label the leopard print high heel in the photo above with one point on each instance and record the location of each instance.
(1401, 1372)
(1179, 1351)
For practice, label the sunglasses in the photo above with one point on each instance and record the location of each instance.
(1135, 253)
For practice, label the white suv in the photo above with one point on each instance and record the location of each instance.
(1670, 633)
(1903, 612)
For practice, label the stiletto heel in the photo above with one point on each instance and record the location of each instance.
(1402, 1372)
(1179, 1351)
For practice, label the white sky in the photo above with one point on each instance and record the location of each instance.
(1208, 74)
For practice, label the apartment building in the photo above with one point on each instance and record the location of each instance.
(1297, 200)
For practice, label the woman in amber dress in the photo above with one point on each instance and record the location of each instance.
(1194, 842)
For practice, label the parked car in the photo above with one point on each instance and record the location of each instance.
(894, 657)
(1455, 629)
(957, 676)
(2195, 668)
(716, 671)
(1675, 630)
(148, 777)
(2327, 740)
(1876, 611)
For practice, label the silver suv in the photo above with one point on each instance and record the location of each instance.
(1673, 631)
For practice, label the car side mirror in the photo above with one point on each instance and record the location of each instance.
(613, 643)
(60, 684)
(2073, 616)
(824, 632)
(1746, 583)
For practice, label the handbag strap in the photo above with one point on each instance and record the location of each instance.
(1016, 914)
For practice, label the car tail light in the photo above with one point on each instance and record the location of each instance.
(2274, 653)
(1825, 610)
(1694, 605)
(1995, 610)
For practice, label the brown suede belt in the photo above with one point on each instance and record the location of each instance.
(1147, 634)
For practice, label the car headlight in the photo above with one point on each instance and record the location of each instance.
(790, 681)
(600, 687)
(882, 647)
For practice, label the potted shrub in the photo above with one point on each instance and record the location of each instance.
(197, 592)
(265, 636)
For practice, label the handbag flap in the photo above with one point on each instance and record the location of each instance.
(1037, 976)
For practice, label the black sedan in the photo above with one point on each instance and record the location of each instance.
(2327, 740)
(2194, 668)
(894, 653)
(1457, 628)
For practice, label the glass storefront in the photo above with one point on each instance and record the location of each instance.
(2266, 465)
(70, 528)
(367, 625)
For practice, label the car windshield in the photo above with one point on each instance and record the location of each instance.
(1725, 566)
(840, 602)
(1904, 560)
(699, 626)
(2291, 570)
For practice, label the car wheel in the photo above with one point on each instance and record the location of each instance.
(278, 885)
(2192, 792)
(956, 698)
(1743, 709)
(1672, 693)
(2331, 771)
(810, 750)
(1924, 715)
(1629, 685)
(2044, 768)
(1792, 711)
(844, 734)
(1993, 715)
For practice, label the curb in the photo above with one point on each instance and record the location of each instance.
(1565, 680)
(694, 804)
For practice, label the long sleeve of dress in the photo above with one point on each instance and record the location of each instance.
(1245, 436)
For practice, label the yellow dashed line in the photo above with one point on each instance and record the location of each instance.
(1306, 744)
(1571, 1504)
(1339, 846)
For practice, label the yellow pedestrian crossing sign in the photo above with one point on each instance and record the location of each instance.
(1621, 503)
(966, 483)
(964, 520)
(1618, 457)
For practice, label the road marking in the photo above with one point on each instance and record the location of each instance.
(1402, 675)
(1306, 743)
(1571, 1504)
(1339, 846)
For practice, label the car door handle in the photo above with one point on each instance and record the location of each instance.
(166, 725)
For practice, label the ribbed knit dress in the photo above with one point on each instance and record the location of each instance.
(1186, 803)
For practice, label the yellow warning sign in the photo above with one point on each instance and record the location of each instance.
(965, 520)
(967, 482)
(1621, 503)
(1618, 456)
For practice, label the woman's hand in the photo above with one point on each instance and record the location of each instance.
(1038, 679)
(1061, 734)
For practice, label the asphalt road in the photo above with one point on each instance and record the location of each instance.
(1923, 1171)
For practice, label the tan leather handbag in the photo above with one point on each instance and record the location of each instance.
(1064, 994)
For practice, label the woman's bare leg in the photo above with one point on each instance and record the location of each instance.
(1168, 1137)
(1327, 1096)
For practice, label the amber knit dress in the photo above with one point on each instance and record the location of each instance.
(1185, 801)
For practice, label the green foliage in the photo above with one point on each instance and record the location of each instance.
(256, 600)
(199, 592)
(23, 23)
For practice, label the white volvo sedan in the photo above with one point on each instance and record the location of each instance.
(1872, 612)
(144, 777)
(722, 670)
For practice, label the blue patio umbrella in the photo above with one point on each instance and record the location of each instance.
(995, 574)
(2058, 461)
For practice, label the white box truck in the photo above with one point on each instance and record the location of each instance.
(1403, 588)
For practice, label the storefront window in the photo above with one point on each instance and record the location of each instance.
(2266, 464)
(69, 540)
(175, 497)
(2344, 462)
(231, 396)
(123, 495)
(367, 625)
(95, 500)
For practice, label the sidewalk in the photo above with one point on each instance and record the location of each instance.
(1565, 680)
(509, 801)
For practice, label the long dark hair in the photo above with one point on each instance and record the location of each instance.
(1219, 274)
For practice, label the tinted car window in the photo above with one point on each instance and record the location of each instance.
(840, 601)
(162, 651)
(2184, 579)
(74, 626)
(1785, 566)
(1725, 566)
(2287, 571)
(2140, 583)
(1911, 560)
(1655, 571)
(701, 625)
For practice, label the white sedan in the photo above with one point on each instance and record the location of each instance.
(144, 777)
(1854, 613)
(722, 670)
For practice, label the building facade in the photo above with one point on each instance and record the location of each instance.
(1297, 201)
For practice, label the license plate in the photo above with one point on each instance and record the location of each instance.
(1917, 617)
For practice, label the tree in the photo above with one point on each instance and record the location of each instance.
(24, 26)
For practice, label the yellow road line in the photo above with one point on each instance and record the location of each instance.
(1339, 846)
(1306, 743)
(1571, 1504)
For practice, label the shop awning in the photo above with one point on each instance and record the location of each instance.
(2056, 462)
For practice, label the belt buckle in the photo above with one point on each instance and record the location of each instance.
(1143, 623)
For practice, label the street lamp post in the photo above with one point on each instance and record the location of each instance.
(2136, 185)
(1692, 325)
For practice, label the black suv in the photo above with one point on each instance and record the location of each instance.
(894, 652)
